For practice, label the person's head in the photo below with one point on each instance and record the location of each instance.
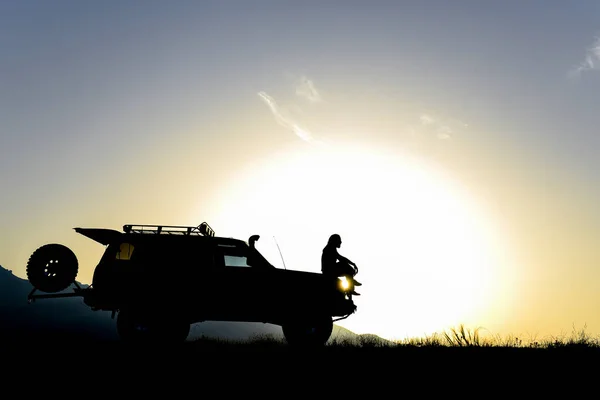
(335, 240)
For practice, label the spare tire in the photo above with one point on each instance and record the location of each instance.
(52, 268)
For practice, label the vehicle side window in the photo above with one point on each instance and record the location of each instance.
(125, 251)
(233, 256)
(235, 261)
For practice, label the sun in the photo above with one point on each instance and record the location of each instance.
(424, 251)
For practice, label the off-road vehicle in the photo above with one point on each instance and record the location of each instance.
(160, 279)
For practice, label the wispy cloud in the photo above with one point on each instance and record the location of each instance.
(426, 119)
(590, 62)
(283, 119)
(306, 88)
(442, 130)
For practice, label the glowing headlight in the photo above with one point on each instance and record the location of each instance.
(344, 283)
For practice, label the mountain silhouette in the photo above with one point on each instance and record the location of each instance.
(70, 317)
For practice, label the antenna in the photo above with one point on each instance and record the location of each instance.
(284, 267)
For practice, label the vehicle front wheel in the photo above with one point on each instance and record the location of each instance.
(313, 332)
(138, 327)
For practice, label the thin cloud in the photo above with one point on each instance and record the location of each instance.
(442, 130)
(426, 119)
(283, 120)
(590, 62)
(306, 88)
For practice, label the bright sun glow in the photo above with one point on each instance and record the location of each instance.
(423, 249)
(345, 284)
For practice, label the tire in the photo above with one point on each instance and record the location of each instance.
(52, 268)
(311, 333)
(137, 327)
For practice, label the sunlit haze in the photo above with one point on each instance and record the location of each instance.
(427, 253)
(452, 145)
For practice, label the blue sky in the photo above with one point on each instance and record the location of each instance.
(141, 111)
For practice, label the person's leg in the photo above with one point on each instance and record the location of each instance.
(353, 284)
(348, 270)
(345, 269)
(349, 274)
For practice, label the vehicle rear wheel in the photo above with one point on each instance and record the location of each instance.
(309, 333)
(138, 327)
(52, 268)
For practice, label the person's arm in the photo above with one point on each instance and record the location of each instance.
(342, 258)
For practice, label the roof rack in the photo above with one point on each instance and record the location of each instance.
(203, 229)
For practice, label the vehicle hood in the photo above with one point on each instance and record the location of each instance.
(100, 235)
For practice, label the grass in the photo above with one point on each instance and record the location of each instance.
(457, 359)
(459, 337)
(453, 338)
(464, 337)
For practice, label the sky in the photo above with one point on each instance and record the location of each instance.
(452, 145)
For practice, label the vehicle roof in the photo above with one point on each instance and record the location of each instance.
(106, 236)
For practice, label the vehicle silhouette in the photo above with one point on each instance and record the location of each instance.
(160, 279)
